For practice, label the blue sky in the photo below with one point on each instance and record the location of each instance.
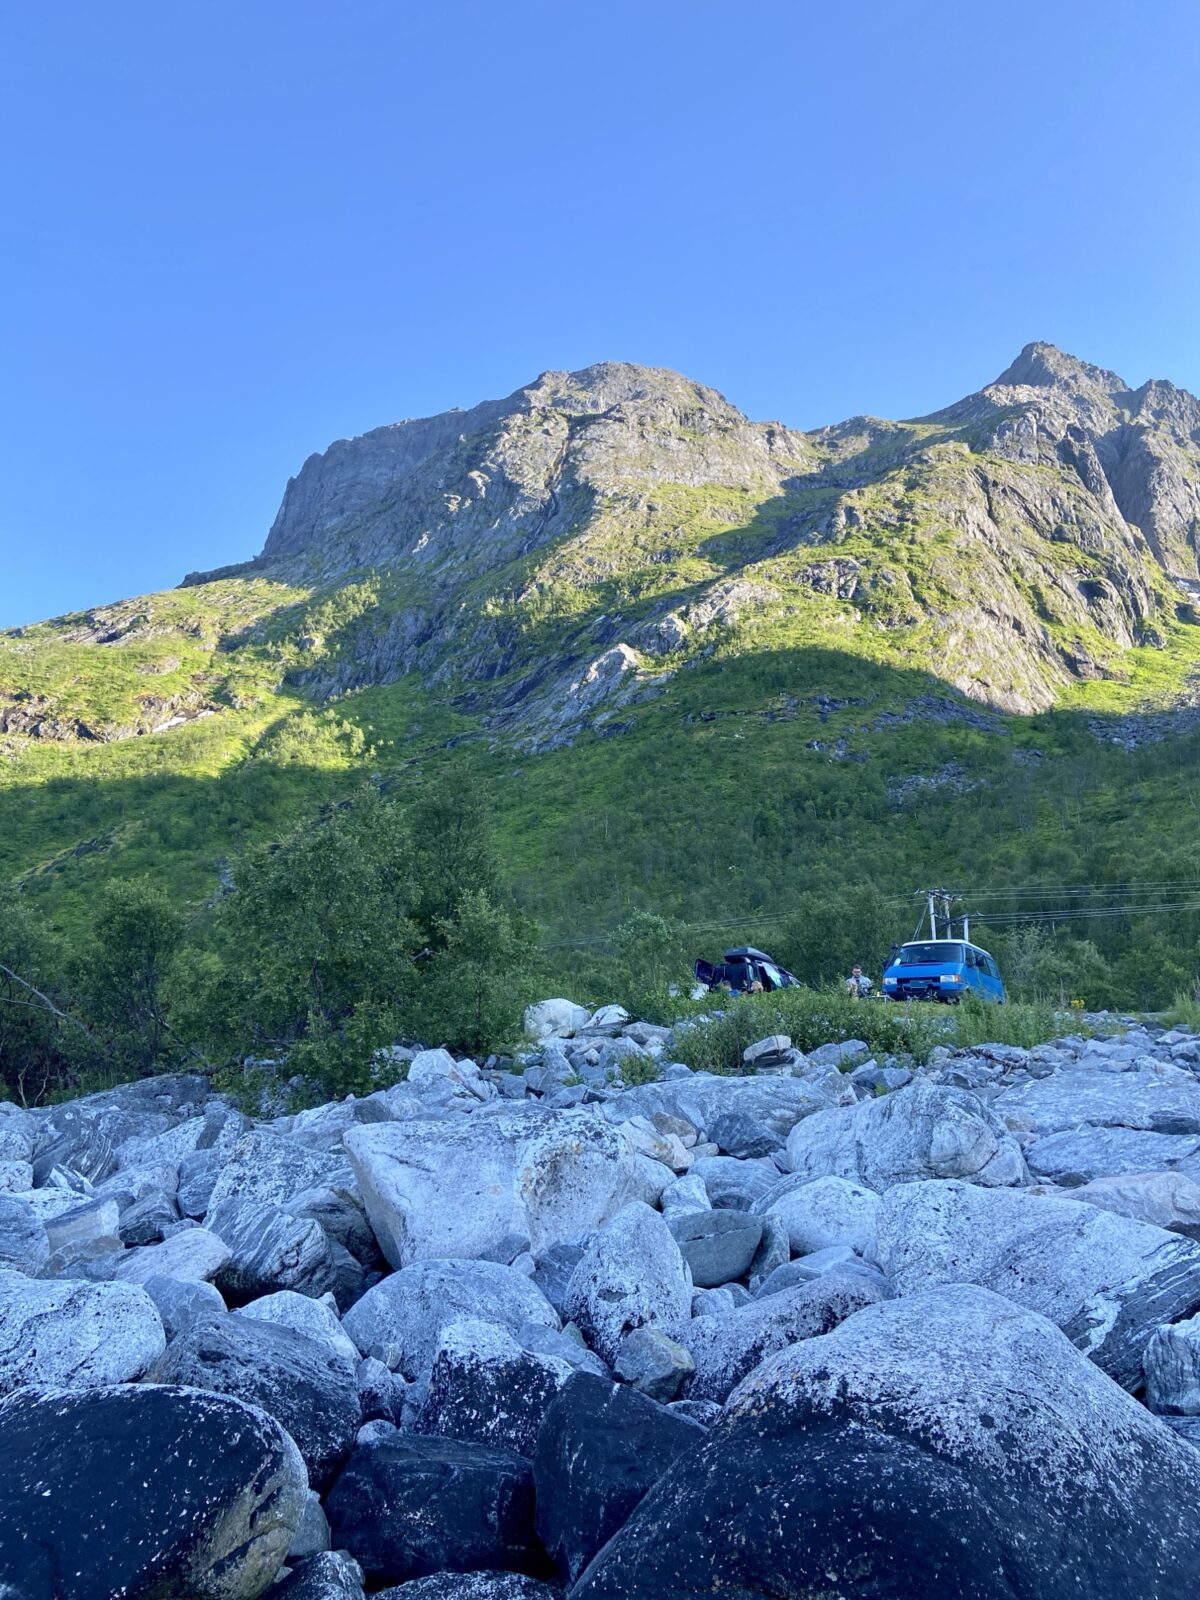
(231, 232)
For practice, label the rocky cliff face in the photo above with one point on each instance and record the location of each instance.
(550, 557)
(1017, 540)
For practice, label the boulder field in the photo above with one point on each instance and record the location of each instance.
(516, 1331)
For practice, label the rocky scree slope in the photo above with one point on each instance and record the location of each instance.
(515, 1330)
(548, 558)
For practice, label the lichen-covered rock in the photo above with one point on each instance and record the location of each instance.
(439, 1190)
(143, 1491)
(726, 1347)
(402, 1318)
(407, 1506)
(654, 1363)
(308, 1389)
(631, 1275)
(271, 1169)
(75, 1335)
(926, 1131)
(326, 1575)
(484, 1386)
(949, 1445)
(472, 1586)
(1106, 1280)
(601, 1448)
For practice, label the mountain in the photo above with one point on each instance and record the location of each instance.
(620, 551)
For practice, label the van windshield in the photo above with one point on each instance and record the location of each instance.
(937, 954)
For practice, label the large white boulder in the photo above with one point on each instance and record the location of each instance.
(435, 1190)
(924, 1131)
(557, 1018)
(1106, 1280)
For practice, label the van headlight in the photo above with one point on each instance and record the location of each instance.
(889, 983)
(951, 977)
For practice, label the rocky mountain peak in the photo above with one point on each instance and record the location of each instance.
(1045, 366)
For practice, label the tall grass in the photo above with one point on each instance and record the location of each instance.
(810, 1018)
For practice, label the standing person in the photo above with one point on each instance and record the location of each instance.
(858, 985)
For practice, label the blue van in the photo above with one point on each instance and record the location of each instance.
(942, 969)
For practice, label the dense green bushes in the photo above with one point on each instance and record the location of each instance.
(366, 926)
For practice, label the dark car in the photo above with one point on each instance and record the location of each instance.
(742, 968)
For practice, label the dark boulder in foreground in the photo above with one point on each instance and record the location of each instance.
(407, 1506)
(602, 1446)
(951, 1444)
(143, 1492)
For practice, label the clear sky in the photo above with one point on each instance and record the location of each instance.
(234, 230)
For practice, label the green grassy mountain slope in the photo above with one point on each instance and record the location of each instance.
(702, 663)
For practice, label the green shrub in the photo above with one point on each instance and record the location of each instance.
(977, 1022)
(810, 1017)
(637, 1070)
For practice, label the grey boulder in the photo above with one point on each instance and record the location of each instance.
(401, 1319)
(632, 1275)
(726, 1347)
(484, 1386)
(1106, 1280)
(718, 1246)
(267, 1250)
(1164, 1099)
(24, 1245)
(1169, 1200)
(308, 1389)
(818, 1213)
(924, 1131)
